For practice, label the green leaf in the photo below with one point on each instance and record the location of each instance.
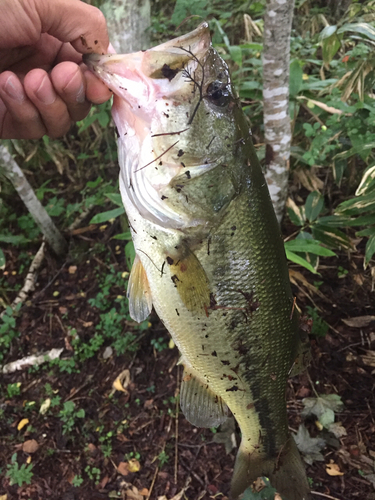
(2, 260)
(355, 150)
(366, 232)
(297, 259)
(366, 181)
(129, 254)
(115, 198)
(236, 54)
(330, 46)
(327, 32)
(106, 216)
(123, 236)
(314, 205)
(13, 239)
(308, 246)
(335, 220)
(295, 78)
(370, 250)
(331, 236)
(355, 206)
(360, 28)
(267, 493)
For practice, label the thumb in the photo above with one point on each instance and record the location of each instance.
(83, 25)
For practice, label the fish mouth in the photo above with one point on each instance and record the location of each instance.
(132, 76)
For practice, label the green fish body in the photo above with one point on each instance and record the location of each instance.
(209, 255)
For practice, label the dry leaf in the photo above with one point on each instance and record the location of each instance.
(368, 359)
(359, 321)
(144, 492)
(72, 269)
(123, 468)
(134, 465)
(22, 423)
(4, 497)
(45, 406)
(333, 469)
(30, 446)
(122, 381)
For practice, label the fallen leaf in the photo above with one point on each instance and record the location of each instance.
(28, 460)
(323, 407)
(63, 310)
(368, 359)
(30, 446)
(3, 497)
(359, 321)
(337, 430)
(122, 468)
(134, 465)
(308, 446)
(45, 406)
(122, 381)
(72, 269)
(144, 492)
(333, 469)
(22, 423)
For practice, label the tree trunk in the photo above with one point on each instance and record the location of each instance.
(127, 22)
(13, 172)
(276, 56)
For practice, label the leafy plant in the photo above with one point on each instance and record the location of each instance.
(68, 416)
(19, 475)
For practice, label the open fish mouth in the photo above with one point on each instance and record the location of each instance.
(128, 75)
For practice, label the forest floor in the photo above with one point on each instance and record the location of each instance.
(66, 431)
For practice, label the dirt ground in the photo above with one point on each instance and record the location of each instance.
(134, 443)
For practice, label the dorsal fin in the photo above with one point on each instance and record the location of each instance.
(139, 293)
(199, 404)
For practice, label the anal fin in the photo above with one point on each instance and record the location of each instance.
(199, 404)
(139, 293)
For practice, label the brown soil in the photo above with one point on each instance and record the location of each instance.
(144, 420)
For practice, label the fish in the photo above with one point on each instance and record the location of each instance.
(209, 256)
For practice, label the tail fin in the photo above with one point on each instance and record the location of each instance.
(286, 473)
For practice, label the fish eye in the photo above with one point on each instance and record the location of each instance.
(218, 93)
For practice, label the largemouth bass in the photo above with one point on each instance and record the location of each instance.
(209, 255)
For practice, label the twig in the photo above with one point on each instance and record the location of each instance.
(324, 495)
(80, 218)
(312, 384)
(153, 482)
(32, 360)
(176, 438)
(30, 279)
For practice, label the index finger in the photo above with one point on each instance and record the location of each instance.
(83, 25)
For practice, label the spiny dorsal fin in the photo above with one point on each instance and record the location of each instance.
(139, 293)
(199, 404)
(191, 281)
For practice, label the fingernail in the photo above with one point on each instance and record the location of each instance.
(71, 87)
(13, 88)
(45, 92)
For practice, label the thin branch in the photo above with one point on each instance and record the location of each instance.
(30, 279)
(15, 175)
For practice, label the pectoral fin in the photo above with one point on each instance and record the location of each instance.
(191, 281)
(199, 404)
(139, 293)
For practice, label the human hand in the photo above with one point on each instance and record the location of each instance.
(44, 85)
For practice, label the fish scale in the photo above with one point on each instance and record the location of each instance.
(209, 255)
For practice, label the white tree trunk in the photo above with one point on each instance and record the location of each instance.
(13, 172)
(127, 22)
(276, 56)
